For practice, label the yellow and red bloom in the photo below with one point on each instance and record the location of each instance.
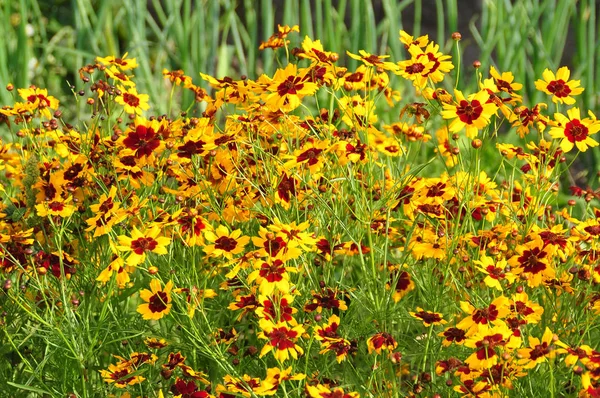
(472, 113)
(574, 131)
(158, 300)
(372, 60)
(427, 317)
(282, 339)
(57, 207)
(278, 39)
(322, 391)
(133, 102)
(272, 274)
(381, 341)
(539, 350)
(121, 375)
(288, 87)
(533, 262)
(559, 86)
(122, 63)
(495, 271)
(38, 99)
(225, 243)
(141, 243)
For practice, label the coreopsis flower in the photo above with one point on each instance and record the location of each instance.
(188, 389)
(524, 118)
(311, 155)
(155, 343)
(141, 243)
(327, 299)
(282, 339)
(322, 391)
(428, 318)
(372, 60)
(133, 103)
(453, 335)
(143, 139)
(275, 246)
(178, 77)
(38, 99)
(157, 300)
(483, 318)
(121, 375)
(538, 351)
(121, 63)
(416, 68)
(286, 188)
(191, 226)
(489, 344)
(119, 77)
(278, 39)
(525, 309)
(245, 386)
(574, 131)
(288, 87)
(225, 243)
(409, 40)
(276, 308)
(495, 271)
(118, 267)
(591, 388)
(442, 63)
(328, 332)
(533, 262)
(403, 284)
(274, 378)
(472, 113)
(559, 87)
(58, 207)
(381, 341)
(271, 274)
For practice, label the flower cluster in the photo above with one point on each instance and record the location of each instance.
(284, 236)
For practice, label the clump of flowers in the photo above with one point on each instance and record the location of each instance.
(239, 247)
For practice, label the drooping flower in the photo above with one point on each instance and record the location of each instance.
(157, 300)
(278, 39)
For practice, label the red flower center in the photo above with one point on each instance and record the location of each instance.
(274, 246)
(559, 88)
(539, 350)
(485, 315)
(280, 338)
(428, 317)
(575, 131)
(272, 272)
(291, 85)
(158, 302)
(415, 68)
(530, 260)
(131, 100)
(142, 245)
(469, 112)
(311, 155)
(225, 243)
(56, 206)
(143, 140)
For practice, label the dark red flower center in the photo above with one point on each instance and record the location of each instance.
(280, 338)
(539, 350)
(143, 140)
(469, 111)
(272, 272)
(158, 302)
(311, 155)
(414, 68)
(131, 100)
(56, 206)
(530, 260)
(225, 243)
(559, 88)
(428, 317)
(575, 131)
(291, 85)
(485, 315)
(142, 245)
(274, 246)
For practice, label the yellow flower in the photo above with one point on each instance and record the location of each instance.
(122, 63)
(473, 112)
(158, 301)
(574, 131)
(225, 243)
(57, 207)
(133, 102)
(141, 243)
(559, 86)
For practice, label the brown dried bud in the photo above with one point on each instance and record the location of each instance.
(456, 36)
